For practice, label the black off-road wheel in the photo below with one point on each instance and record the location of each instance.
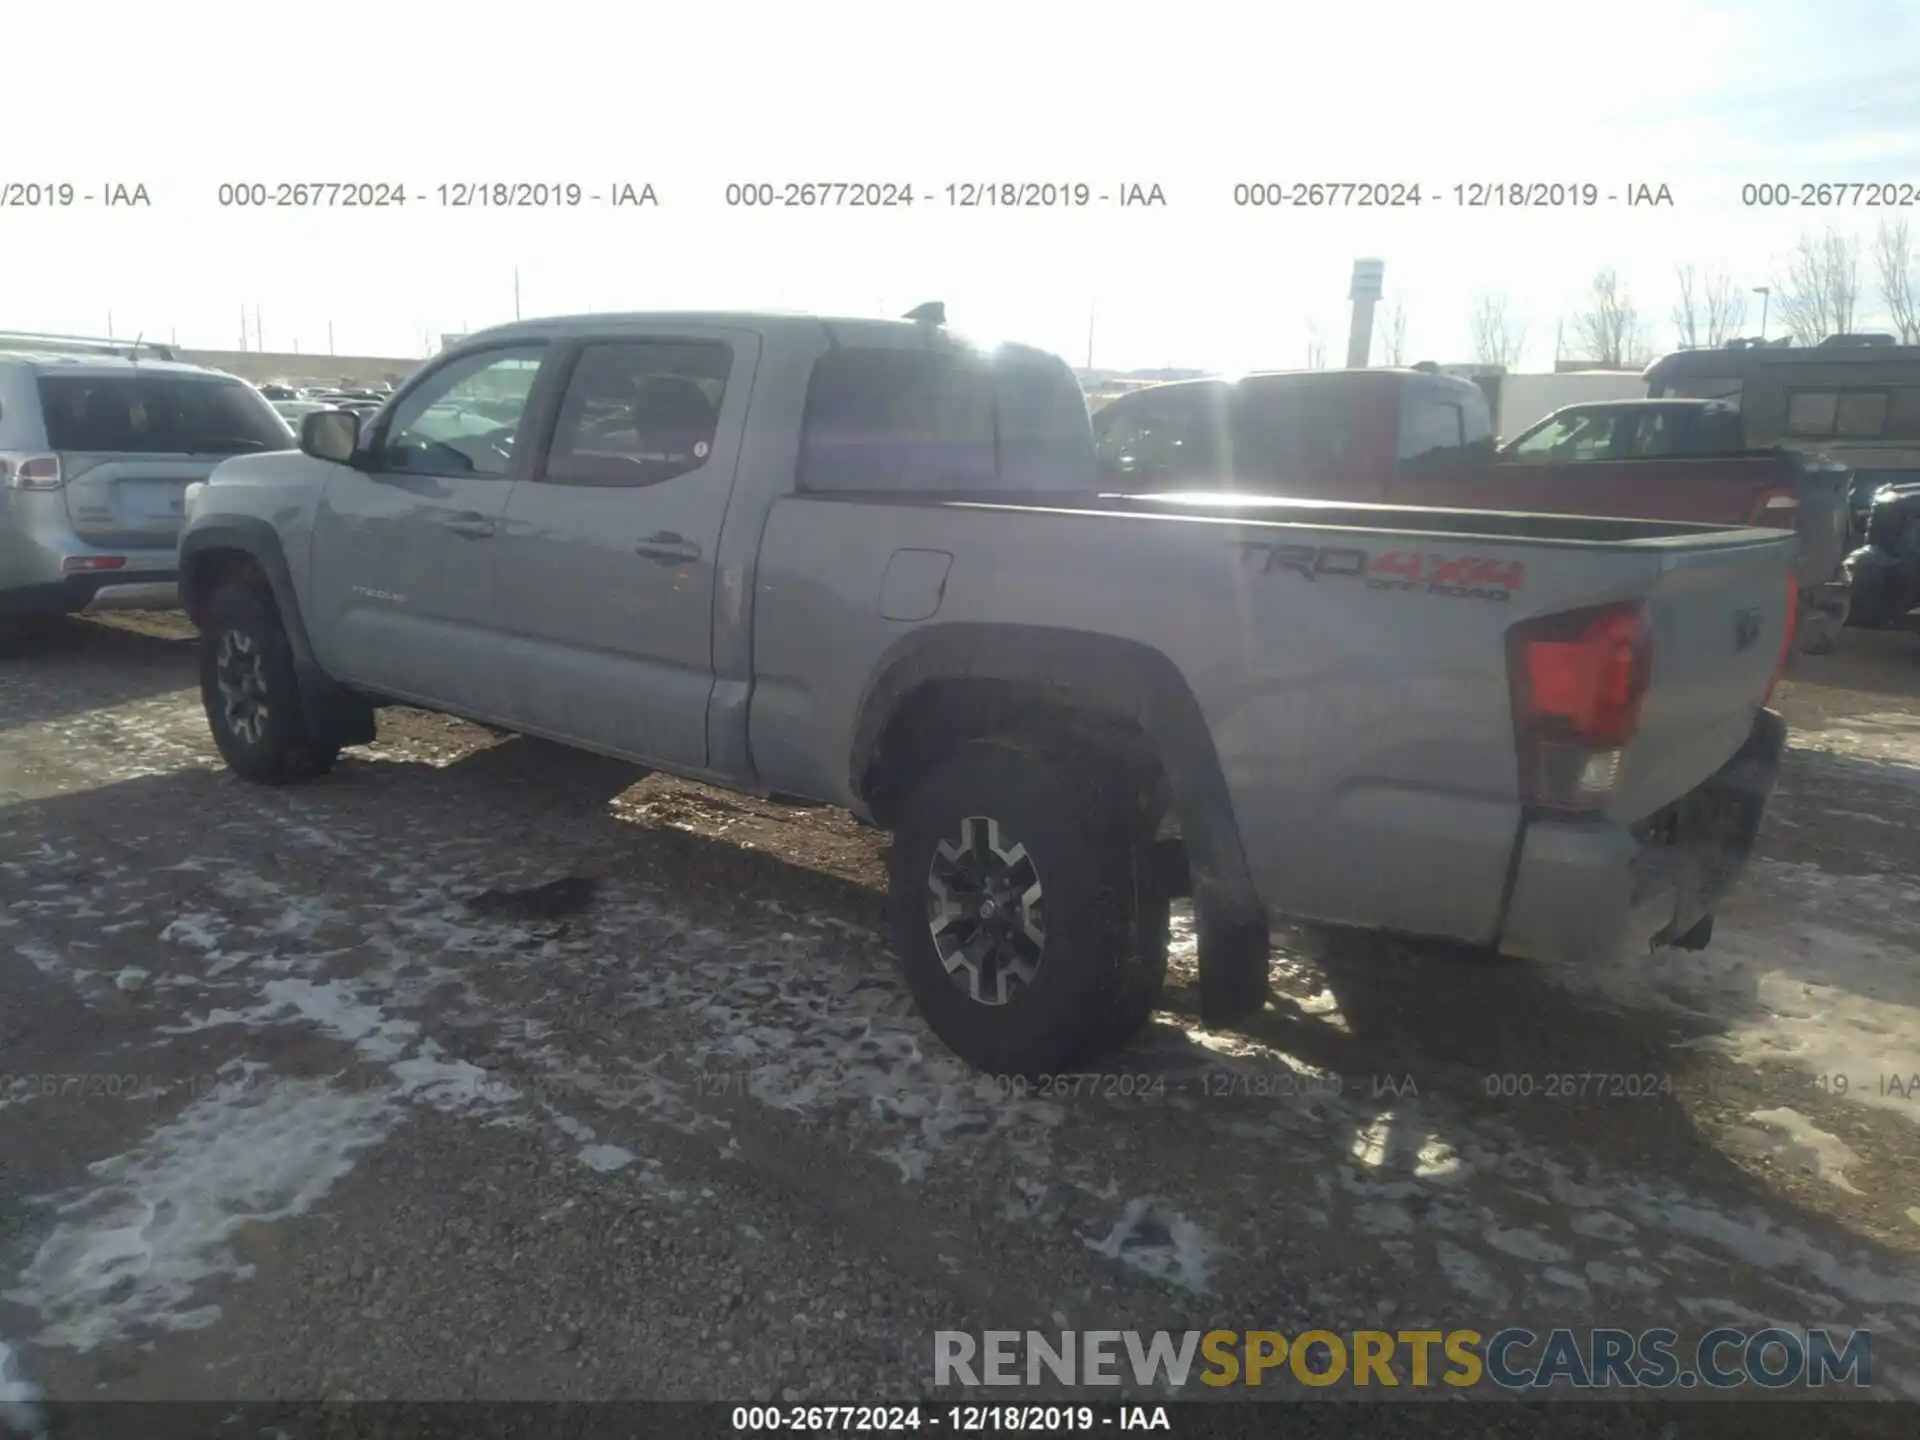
(252, 692)
(1027, 916)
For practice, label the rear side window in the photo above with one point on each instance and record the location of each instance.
(1438, 425)
(1853, 414)
(639, 412)
(1045, 432)
(1156, 437)
(929, 421)
(1281, 429)
(158, 415)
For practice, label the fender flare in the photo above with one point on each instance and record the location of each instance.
(1122, 679)
(331, 708)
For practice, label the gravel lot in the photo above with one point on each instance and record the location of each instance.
(480, 1069)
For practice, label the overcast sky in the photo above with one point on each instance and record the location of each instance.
(1701, 97)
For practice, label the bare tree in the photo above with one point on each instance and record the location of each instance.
(1390, 335)
(1609, 328)
(1821, 289)
(1726, 308)
(1316, 347)
(1686, 313)
(1893, 258)
(1498, 336)
(1710, 309)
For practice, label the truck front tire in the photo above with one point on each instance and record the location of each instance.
(1027, 916)
(252, 692)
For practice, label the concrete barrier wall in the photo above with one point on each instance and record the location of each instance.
(258, 365)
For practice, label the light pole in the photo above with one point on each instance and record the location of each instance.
(1765, 292)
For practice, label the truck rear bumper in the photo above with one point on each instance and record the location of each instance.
(1587, 891)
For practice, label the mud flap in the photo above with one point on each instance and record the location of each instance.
(1234, 952)
(1718, 825)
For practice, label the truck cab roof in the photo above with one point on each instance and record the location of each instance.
(801, 327)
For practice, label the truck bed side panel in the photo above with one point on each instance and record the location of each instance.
(1711, 490)
(1365, 729)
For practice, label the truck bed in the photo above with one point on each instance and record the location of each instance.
(1350, 661)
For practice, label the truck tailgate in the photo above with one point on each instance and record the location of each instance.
(1718, 618)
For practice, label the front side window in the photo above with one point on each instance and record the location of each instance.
(462, 419)
(639, 412)
(1579, 435)
(158, 414)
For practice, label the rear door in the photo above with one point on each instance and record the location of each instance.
(607, 556)
(131, 441)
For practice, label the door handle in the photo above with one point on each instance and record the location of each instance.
(667, 546)
(472, 526)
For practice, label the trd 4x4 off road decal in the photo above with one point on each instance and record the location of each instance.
(1458, 577)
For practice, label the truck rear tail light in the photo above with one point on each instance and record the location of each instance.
(30, 472)
(1577, 681)
(91, 564)
(1775, 508)
(1789, 629)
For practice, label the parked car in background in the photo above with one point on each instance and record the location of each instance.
(1885, 571)
(1518, 402)
(293, 411)
(733, 547)
(96, 453)
(1418, 437)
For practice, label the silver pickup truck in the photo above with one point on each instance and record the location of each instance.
(864, 562)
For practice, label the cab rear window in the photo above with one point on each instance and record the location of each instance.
(949, 420)
(157, 415)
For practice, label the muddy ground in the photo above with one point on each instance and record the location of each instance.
(483, 1069)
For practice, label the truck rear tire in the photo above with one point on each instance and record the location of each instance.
(252, 692)
(1026, 914)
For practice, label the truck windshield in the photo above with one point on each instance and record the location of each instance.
(158, 415)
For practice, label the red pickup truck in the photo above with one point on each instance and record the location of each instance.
(1417, 437)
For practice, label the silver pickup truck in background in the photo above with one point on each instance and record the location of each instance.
(865, 563)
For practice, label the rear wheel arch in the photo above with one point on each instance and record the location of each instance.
(943, 686)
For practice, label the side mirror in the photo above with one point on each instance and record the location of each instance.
(330, 435)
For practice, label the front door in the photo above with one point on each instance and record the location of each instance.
(607, 555)
(402, 599)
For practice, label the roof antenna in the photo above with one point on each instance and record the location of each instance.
(934, 312)
(134, 354)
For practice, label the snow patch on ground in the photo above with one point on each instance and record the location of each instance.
(131, 1252)
(1160, 1242)
(1808, 969)
(1889, 737)
(1788, 1139)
